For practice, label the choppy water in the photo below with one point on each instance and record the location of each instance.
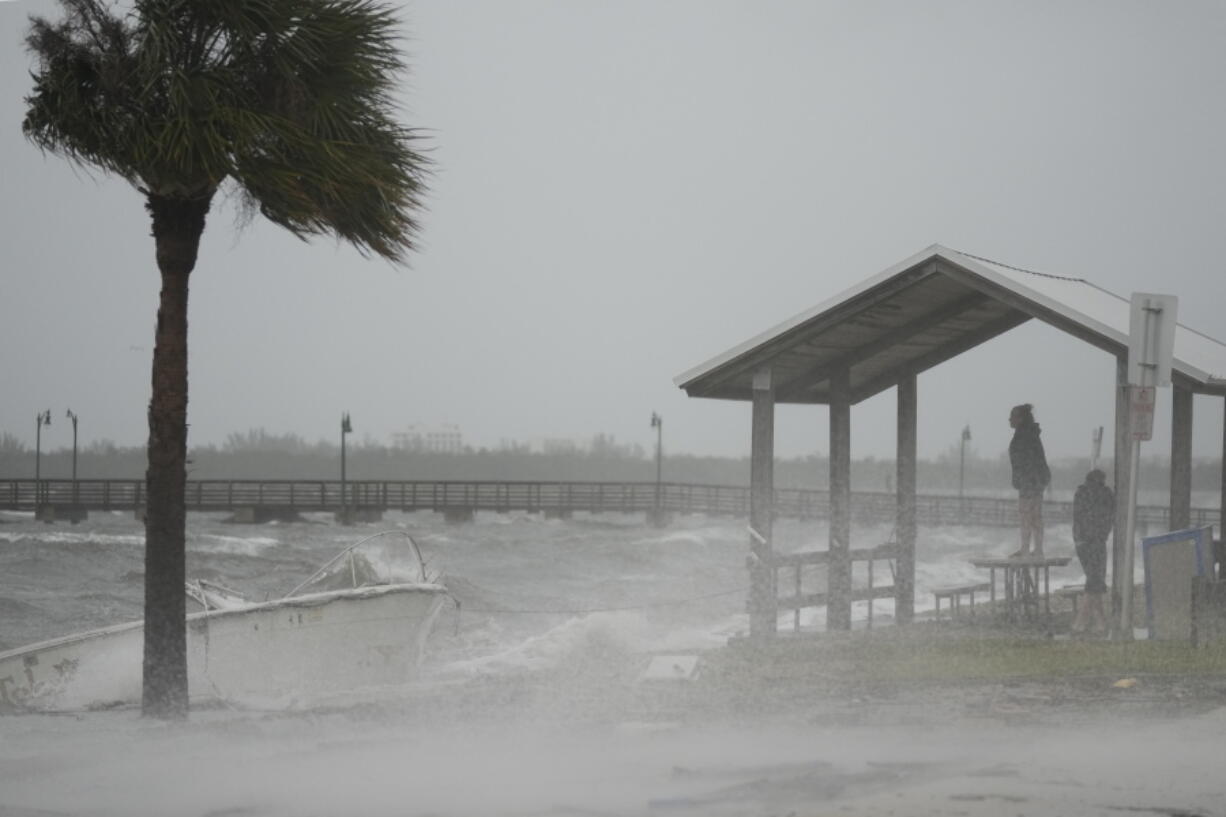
(531, 590)
(527, 702)
(537, 600)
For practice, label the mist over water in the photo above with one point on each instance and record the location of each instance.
(531, 699)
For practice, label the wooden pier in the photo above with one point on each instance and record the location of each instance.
(261, 500)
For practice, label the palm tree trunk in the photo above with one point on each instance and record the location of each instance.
(177, 227)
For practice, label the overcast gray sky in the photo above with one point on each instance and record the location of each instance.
(625, 190)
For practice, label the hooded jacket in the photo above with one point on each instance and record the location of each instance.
(1093, 512)
(1026, 455)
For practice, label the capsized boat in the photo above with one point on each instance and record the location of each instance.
(348, 628)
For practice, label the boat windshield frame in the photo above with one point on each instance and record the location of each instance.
(348, 551)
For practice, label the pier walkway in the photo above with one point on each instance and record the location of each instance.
(258, 500)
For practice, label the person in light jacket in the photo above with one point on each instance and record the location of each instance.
(1030, 476)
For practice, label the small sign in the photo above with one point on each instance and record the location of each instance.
(1151, 339)
(1141, 412)
(1171, 560)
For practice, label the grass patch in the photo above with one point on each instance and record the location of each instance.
(984, 659)
(1003, 658)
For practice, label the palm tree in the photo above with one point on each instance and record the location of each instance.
(290, 103)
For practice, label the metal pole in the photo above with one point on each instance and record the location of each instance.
(1151, 340)
(1124, 632)
(72, 416)
(657, 422)
(345, 428)
(966, 435)
(961, 469)
(38, 453)
(659, 459)
(44, 418)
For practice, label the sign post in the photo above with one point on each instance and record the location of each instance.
(1151, 347)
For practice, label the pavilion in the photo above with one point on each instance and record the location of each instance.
(884, 332)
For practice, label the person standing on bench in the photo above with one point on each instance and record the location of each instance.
(1093, 519)
(1030, 476)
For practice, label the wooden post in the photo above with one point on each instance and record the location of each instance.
(763, 598)
(1181, 458)
(838, 577)
(904, 579)
(1123, 456)
(1221, 536)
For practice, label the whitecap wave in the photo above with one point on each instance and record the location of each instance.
(58, 537)
(241, 545)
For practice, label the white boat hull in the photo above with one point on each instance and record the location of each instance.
(279, 653)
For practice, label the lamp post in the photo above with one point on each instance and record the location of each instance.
(657, 422)
(72, 415)
(346, 428)
(966, 436)
(43, 419)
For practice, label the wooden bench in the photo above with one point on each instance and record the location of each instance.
(1072, 591)
(955, 595)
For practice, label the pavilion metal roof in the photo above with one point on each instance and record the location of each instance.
(923, 311)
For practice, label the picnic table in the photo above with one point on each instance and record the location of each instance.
(1027, 582)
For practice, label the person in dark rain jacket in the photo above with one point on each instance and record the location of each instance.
(1093, 519)
(1030, 476)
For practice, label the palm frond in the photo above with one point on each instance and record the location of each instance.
(290, 99)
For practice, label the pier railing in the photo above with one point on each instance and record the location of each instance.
(556, 497)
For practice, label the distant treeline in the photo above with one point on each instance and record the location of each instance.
(259, 455)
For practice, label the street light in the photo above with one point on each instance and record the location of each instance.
(657, 422)
(346, 428)
(966, 437)
(43, 419)
(72, 415)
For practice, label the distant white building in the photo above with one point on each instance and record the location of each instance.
(559, 445)
(545, 445)
(600, 444)
(444, 439)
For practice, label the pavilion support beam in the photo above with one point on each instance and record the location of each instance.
(904, 579)
(763, 604)
(1221, 536)
(838, 576)
(1123, 456)
(1181, 457)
